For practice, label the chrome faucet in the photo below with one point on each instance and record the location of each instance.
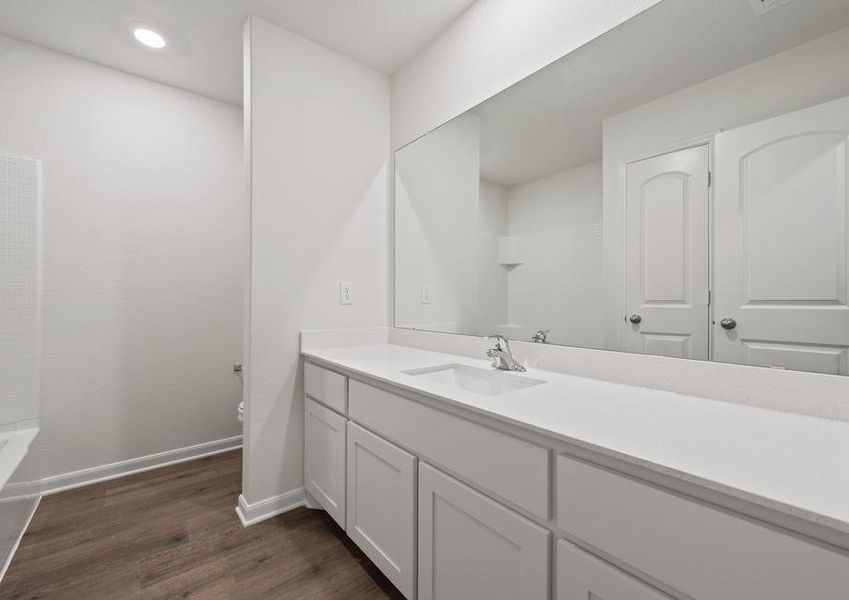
(502, 357)
(541, 336)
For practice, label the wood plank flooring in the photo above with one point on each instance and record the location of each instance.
(172, 533)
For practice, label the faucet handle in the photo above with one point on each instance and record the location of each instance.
(541, 336)
(496, 355)
(501, 342)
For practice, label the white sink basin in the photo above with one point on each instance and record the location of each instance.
(487, 382)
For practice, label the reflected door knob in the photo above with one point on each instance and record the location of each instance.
(635, 318)
(728, 323)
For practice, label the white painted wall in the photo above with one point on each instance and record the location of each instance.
(318, 132)
(436, 222)
(448, 226)
(142, 263)
(492, 312)
(555, 222)
(556, 202)
(808, 74)
(20, 328)
(20, 290)
(491, 46)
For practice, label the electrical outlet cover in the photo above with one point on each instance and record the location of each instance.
(427, 293)
(346, 292)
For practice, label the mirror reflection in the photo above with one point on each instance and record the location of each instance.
(681, 193)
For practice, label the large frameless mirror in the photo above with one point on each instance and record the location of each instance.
(676, 187)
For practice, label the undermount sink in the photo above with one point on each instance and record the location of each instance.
(487, 382)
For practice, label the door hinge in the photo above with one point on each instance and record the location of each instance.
(709, 297)
(710, 178)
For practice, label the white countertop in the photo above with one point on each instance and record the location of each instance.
(790, 463)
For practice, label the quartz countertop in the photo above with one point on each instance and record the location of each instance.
(794, 464)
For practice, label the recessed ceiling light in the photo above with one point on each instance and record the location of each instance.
(149, 37)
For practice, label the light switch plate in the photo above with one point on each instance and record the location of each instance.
(346, 292)
(427, 293)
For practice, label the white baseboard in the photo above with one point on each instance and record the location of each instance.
(250, 514)
(20, 489)
(311, 502)
(75, 479)
(8, 561)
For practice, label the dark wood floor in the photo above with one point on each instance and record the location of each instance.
(172, 533)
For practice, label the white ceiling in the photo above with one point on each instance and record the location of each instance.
(205, 36)
(552, 120)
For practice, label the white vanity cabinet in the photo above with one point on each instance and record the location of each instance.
(450, 504)
(472, 547)
(692, 547)
(324, 458)
(382, 505)
(505, 466)
(430, 534)
(581, 575)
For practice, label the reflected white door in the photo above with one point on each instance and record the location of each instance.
(781, 252)
(667, 254)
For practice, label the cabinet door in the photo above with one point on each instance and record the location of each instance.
(472, 547)
(324, 458)
(382, 504)
(581, 576)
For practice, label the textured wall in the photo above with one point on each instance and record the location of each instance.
(556, 222)
(20, 282)
(142, 257)
(436, 223)
(318, 129)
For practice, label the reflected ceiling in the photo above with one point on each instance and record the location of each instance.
(552, 120)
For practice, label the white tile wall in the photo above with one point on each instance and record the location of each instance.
(20, 192)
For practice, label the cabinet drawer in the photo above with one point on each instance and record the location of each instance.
(329, 388)
(702, 551)
(581, 576)
(511, 468)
